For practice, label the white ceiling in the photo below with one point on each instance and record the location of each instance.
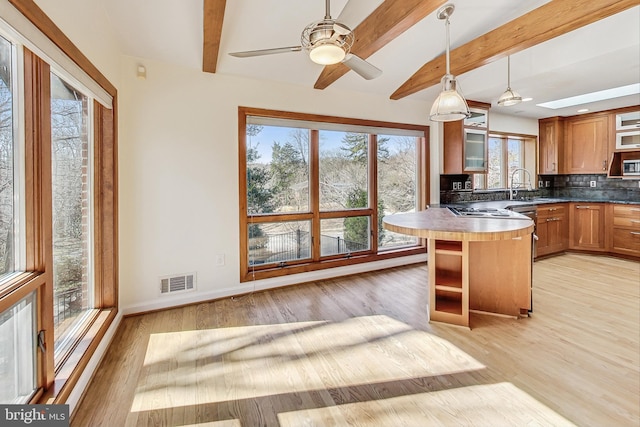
(599, 56)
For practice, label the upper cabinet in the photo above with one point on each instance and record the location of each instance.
(627, 132)
(465, 142)
(587, 144)
(596, 143)
(551, 146)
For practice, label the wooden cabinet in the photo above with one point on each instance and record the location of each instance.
(465, 142)
(587, 144)
(552, 228)
(587, 230)
(551, 146)
(624, 229)
(497, 281)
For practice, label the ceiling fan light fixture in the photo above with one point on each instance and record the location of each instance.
(450, 105)
(327, 54)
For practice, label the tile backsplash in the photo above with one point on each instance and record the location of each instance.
(561, 186)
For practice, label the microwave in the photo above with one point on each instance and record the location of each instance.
(631, 167)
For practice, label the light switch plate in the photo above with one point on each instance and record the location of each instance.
(592, 183)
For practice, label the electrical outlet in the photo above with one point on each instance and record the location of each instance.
(592, 183)
(540, 184)
(457, 185)
(219, 260)
(547, 183)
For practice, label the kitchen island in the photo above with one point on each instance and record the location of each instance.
(480, 264)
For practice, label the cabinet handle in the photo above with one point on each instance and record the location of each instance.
(583, 207)
(554, 166)
(635, 221)
(553, 209)
(634, 210)
(635, 233)
(604, 165)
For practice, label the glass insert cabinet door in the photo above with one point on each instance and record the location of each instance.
(475, 150)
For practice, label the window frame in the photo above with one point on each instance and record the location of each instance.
(315, 215)
(529, 158)
(55, 382)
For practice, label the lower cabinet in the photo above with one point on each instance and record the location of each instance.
(624, 226)
(552, 229)
(587, 231)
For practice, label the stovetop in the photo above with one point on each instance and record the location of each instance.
(483, 212)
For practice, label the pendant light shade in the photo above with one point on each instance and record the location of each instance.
(510, 96)
(450, 105)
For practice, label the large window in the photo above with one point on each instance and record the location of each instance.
(316, 190)
(57, 209)
(508, 157)
(71, 173)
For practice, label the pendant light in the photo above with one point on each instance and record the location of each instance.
(510, 96)
(450, 105)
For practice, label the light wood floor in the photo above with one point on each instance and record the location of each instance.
(359, 351)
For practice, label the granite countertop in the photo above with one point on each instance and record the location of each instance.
(504, 204)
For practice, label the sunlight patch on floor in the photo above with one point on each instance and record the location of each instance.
(226, 364)
(500, 404)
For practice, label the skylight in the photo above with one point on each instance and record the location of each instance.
(616, 92)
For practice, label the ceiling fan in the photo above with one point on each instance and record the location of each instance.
(328, 42)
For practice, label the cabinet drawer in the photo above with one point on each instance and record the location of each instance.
(544, 211)
(632, 211)
(625, 221)
(626, 240)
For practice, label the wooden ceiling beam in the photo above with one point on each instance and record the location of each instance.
(212, 31)
(540, 25)
(388, 21)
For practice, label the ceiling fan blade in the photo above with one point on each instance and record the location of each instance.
(362, 67)
(352, 15)
(250, 53)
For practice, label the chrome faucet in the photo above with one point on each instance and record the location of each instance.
(512, 191)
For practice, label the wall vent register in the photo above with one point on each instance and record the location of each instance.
(179, 283)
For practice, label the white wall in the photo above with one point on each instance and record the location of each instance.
(503, 123)
(179, 174)
(87, 25)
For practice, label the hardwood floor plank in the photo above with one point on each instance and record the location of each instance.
(359, 351)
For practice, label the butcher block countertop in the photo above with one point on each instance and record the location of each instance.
(441, 224)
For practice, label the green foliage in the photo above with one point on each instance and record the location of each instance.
(356, 229)
(357, 148)
(286, 165)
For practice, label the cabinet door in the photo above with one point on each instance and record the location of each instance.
(551, 137)
(587, 145)
(475, 150)
(587, 227)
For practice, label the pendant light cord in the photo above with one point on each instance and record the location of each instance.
(446, 24)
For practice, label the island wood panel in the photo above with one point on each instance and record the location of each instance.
(500, 276)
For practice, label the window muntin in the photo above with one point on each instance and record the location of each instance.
(18, 351)
(71, 172)
(397, 185)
